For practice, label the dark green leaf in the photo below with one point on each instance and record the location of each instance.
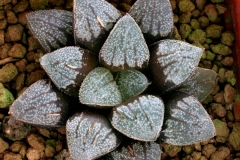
(90, 135)
(68, 66)
(51, 28)
(185, 120)
(125, 47)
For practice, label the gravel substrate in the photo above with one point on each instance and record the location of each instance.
(199, 22)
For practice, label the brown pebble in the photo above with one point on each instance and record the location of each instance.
(221, 153)
(34, 154)
(35, 76)
(62, 130)
(17, 51)
(44, 132)
(12, 156)
(32, 45)
(32, 67)
(227, 61)
(21, 65)
(15, 32)
(59, 146)
(36, 141)
(7, 7)
(20, 81)
(1, 116)
(230, 124)
(30, 56)
(198, 146)
(17, 146)
(2, 37)
(211, 12)
(229, 93)
(208, 149)
(219, 98)
(230, 116)
(2, 14)
(22, 18)
(3, 23)
(11, 17)
(4, 145)
(21, 6)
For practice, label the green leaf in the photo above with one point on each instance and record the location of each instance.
(185, 120)
(172, 62)
(200, 84)
(131, 83)
(140, 118)
(68, 66)
(125, 47)
(92, 22)
(90, 135)
(154, 17)
(41, 105)
(51, 28)
(136, 151)
(99, 89)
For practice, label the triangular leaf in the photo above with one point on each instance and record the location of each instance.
(154, 17)
(200, 84)
(51, 28)
(140, 118)
(125, 47)
(172, 62)
(99, 89)
(131, 83)
(68, 66)
(93, 20)
(136, 151)
(185, 120)
(90, 135)
(41, 105)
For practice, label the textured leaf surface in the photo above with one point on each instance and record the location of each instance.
(140, 118)
(185, 120)
(90, 135)
(51, 28)
(93, 20)
(200, 84)
(125, 47)
(41, 105)
(99, 89)
(68, 66)
(137, 151)
(172, 62)
(154, 17)
(131, 83)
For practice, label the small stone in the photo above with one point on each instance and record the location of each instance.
(230, 77)
(221, 153)
(17, 146)
(6, 97)
(4, 145)
(195, 24)
(218, 109)
(197, 36)
(32, 67)
(208, 149)
(62, 130)
(229, 93)
(44, 132)
(21, 65)
(234, 137)
(211, 12)
(34, 154)
(64, 154)
(124, 7)
(11, 17)
(195, 13)
(176, 34)
(227, 38)
(22, 18)
(185, 30)
(171, 150)
(15, 32)
(222, 130)
(12, 156)
(32, 45)
(198, 146)
(173, 4)
(221, 74)
(214, 31)
(3, 23)
(227, 61)
(21, 6)
(2, 14)
(210, 56)
(2, 37)
(35, 76)
(17, 51)
(219, 98)
(221, 49)
(175, 18)
(7, 7)
(20, 81)
(185, 6)
(4, 2)
(7, 73)
(59, 146)
(185, 17)
(200, 4)
(50, 148)
(36, 141)
(38, 4)
(4, 50)
(221, 8)
(230, 116)
(30, 56)
(188, 149)
(196, 155)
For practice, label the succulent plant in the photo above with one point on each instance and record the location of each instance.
(140, 87)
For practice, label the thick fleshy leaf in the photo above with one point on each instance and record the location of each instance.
(136, 151)
(200, 84)
(154, 17)
(90, 135)
(172, 62)
(93, 20)
(140, 118)
(51, 28)
(41, 105)
(131, 83)
(68, 66)
(125, 47)
(99, 89)
(185, 120)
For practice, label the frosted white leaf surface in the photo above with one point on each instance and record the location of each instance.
(125, 47)
(41, 105)
(200, 84)
(90, 135)
(185, 120)
(154, 17)
(136, 151)
(172, 62)
(140, 118)
(52, 28)
(93, 20)
(99, 89)
(131, 83)
(67, 67)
